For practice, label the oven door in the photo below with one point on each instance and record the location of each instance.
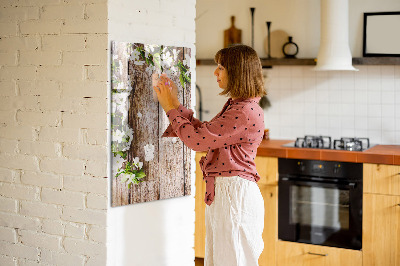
(321, 212)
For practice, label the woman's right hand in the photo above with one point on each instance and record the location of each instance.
(174, 89)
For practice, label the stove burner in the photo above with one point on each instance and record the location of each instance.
(351, 144)
(308, 141)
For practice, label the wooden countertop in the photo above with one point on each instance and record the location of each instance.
(379, 154)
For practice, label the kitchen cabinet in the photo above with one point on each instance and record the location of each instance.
(381, 179)
(381, 230)
(381, 215)
(200, 207)
(299, 254)
(270, 233)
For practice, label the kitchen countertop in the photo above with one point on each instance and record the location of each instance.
(380, 154)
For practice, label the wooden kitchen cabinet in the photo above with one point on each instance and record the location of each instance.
(381, 230)
(299, 254)
(381, 215)
(381, 179)
(200, 207)
(270, 233)
(267, 168)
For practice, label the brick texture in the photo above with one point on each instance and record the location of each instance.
(53, 120)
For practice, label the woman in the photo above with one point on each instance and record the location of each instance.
(235, 207)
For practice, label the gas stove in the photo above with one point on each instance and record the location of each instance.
(325, 142)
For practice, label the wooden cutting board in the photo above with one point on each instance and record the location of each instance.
(232, 35)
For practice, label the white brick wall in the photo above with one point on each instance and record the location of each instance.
(53, 111)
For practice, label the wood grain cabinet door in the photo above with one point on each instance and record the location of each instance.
(270, 233)
(200, 207)
(298, 254)
(381, 179)
(267, 168)
(381, 230)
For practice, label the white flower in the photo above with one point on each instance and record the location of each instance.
(136, 160)
(140, 165)
(115, 56)
(118, 161)
(118, 135)
(176, 53)
(186, 61)
(131, 178)
(135, 56)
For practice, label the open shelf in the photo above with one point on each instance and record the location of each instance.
(312, 61)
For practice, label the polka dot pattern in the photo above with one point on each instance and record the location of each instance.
(231, 139)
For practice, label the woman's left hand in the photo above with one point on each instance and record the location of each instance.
(163, 91)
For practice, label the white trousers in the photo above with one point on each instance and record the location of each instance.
(234, 223)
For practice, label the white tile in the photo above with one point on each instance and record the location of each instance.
(388, 110)
(285, 83)
(322, 96)
(387, 72)
(334, 109)
(388, 124)
(296, 71)
(348, 123)
(322, 109)
(361, 97)
(388, 84)
(388, 97)
(374, 84)
(374, 110)
(286, 120)
(361, 110)
(361, 123)
(310, 95)
(348, 132)
(360, 133)
(348, 96)
(374, 123)
(375, 136)
(297, 83)
(397, 134)
(310, 108)
(335, 122)
(335, 95)
(321, 83)
(347, 109)
(388, 137)
(322, 122)
(397, 72)
(374, 97)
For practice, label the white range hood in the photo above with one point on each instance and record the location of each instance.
(334, 51)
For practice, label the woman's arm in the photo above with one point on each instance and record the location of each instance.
(223, 131)
(188, 114)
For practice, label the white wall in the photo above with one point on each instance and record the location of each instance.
(338, 104)
(160, 232)
(299, 18)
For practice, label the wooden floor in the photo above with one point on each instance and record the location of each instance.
(199, 262)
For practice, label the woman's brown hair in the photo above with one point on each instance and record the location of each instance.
(245, 78)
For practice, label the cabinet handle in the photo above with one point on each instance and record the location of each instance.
(398, 204)
(318, 254)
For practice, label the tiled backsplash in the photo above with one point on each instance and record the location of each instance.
(333, 103)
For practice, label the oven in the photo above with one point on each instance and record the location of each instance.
(320, 202)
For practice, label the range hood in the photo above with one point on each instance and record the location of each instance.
(334, 51)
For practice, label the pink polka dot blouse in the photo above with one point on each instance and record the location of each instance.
(231, 139)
